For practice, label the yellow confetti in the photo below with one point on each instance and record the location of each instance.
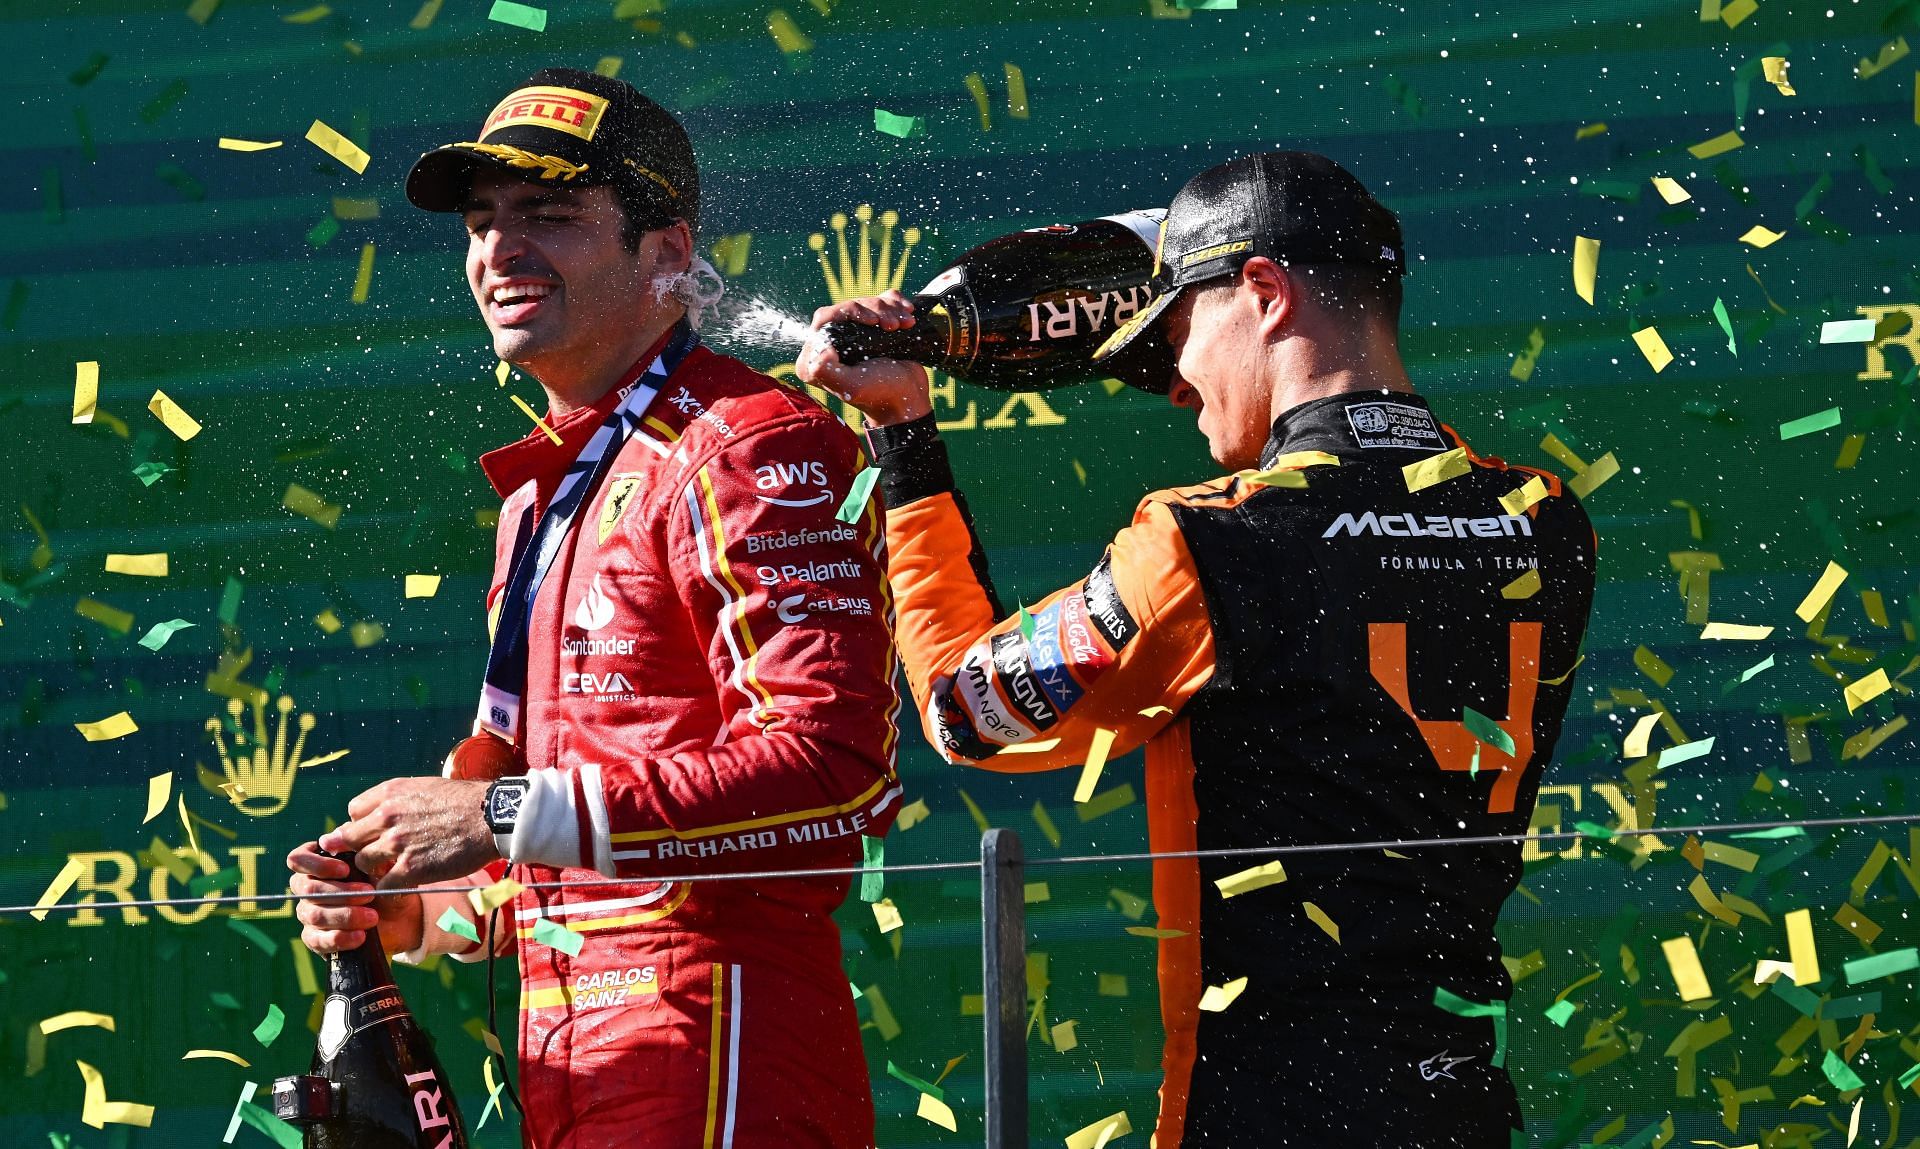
(1774, 68)
(977, 88)
(1132, 905)
(1822, 592)
(422, 585)
(309, 16)
(77, 1019)
(1654, 348)
(115, 726)
(1876, 608)
(1105, 803)
(786, 33)
(1636, 744)
(1045, 821)
(1766, 970)
(1524, 587)
(1218, 997)
(1589, 480)
(1590, 131)
(1652, 665)
(1034, 892)
(363, 278)
(1730, 856)
(1867, 689)
(883, 1019)
(1041, 746)
(201, 11)
(1065, 1036)
(97, 1112)
(57, 889)
(1734, 630)
(887, 915)
(1113, 985)
(1710, 902)
(338, 146)
(327, 621)
(159, 793)
(118, 621)
(537, 420)
(609, 66)
(1718, 145)
(301, 501)
(1562, 453)
(974, 811)
(486, 899)
(231, 144)
(1435, 469)
(1758, 236)
(183, 425)
(1586, 265)
(1734, 12)
(1800, 948)
(1016, 91)
(86, 390)
(1319, 918)
(1248, 880)
(1156, 711)
(1684, 961)
(912, 814)
(1524, 496)
(937, 1111)
(1097, 749)
(1670, 190)
(216, 1054)
(1287, 477)
(1098, 1134)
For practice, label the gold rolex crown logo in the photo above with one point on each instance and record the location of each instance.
(260, 775)
(864, 273)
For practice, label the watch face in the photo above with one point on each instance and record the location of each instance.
(503, 803)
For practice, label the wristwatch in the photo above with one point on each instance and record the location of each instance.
(502, 810)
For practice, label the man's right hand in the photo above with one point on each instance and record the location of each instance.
(885, 390)
(338, 924)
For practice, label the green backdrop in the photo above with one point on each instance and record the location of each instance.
(1499, 131)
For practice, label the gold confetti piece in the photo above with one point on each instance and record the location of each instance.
(1065, 1037)
(1861, 744)
(231, 144)
(1105, 803)
(883, 1018)
(977, 88)
(97, 1112)
(486, 899)
(338, 146)
(201, 11)
(363, 278)
(912, 814)
(974, 811)
(1774, 68)
(501, 371)
(424, 18)
(937, 1111)
(1036, 892)
(1436, 469)
(1735, 12)
(167, 411)
(537, 420)
(609, 66)
(1693, 516)
(1524, 496)
(1038, 747)
(1319, 918)
(1766, 970)
(1734, 630)
(1758, 236)
(159, 792)
(1155, 932)
(1286, 477)
(1876, 608)
(116, 726)
(57, 889)
(1654, 348)
(1822, 592)
(303, 968)
(1653, 666)
(1684, 961)
(149, 566)
(1218, 997)
(1245, 881)
(1718, 145)
(86, 390)
(1636, 744)
(309, 16)
(1016, 91)
(1889, 54)
(1867, 689)
(1586, 265)
(1670, 190)
(1858, 924)
(219, 1054)
(77, 1019)
(1800, 948)
(1710, 902)
(1098, 1134)
(1113, 985)
(1590, 131)
(423, 585)
(1097, 749)
(786, 33)
(1562, 453)
(1132, 905)
(1045, 821)
(1730, 856)
(887, 915)
(1524, 587)
(1853, 1123)
(301, 501)
(327, 621)
(1156, 711)
(1589, 480)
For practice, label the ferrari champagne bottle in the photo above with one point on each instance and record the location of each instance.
(375, 1082)
(1026, 311)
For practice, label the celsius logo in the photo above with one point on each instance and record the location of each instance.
(595, 610)
(1431, 526)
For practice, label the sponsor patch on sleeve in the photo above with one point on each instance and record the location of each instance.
(1394, 425)
(1109, 614)
(1011, 664)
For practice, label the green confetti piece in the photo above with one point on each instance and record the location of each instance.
(176, 177)
(1910, 1076)
(151, 472)
(1804, 208)
(1882, 965)
(1026, 623)
(1840, 1073)
(1726, 323)
(519, 15)
(233, 1123)
(1808, 424)
(1594, 830)
(493, 1103)
(161, 104)
(548, 932)
(1729, 177)
(1799, 997)
(1497, 1010)
(322, 232)
(1685, 752)
(157, 637)
(253, 934)
(1855, 1006)
(84, 75)
(224, 1000)
(1208, 5)
(1764, 664)
(230, 601)
(276, 676)
(270, 1026)
(16, 303)
(204, 883)
(1486, 730)
(857, 497)
(1560, 1012)
(1870, 164)
(454, 922)
(857, 995)
(927, 1087)
(903, 127)
(873, 856)
(283, 1134)
(1847, 331)
(50, 201)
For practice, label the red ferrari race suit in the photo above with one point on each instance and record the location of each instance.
(1307, 658)
(710, 688)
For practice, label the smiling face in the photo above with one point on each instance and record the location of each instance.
(1215, 332)
(558, 288)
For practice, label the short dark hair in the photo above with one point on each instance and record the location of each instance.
(1352, 290)
(642, 214)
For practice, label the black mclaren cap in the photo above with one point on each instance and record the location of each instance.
(571, 129)
(1292, 207)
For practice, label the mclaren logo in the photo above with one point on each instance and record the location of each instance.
(1430, 526)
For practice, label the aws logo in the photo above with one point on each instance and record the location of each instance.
(809, 473)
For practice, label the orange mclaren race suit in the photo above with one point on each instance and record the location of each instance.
(1299, 656)
(710, 687)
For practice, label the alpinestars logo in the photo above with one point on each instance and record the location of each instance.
(595, 610)
(1430, 526)
(1440, 1065)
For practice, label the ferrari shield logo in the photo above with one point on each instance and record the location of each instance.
(620, 492)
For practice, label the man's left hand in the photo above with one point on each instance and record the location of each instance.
(412, 831)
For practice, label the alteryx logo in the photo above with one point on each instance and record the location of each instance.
(1430, 526)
